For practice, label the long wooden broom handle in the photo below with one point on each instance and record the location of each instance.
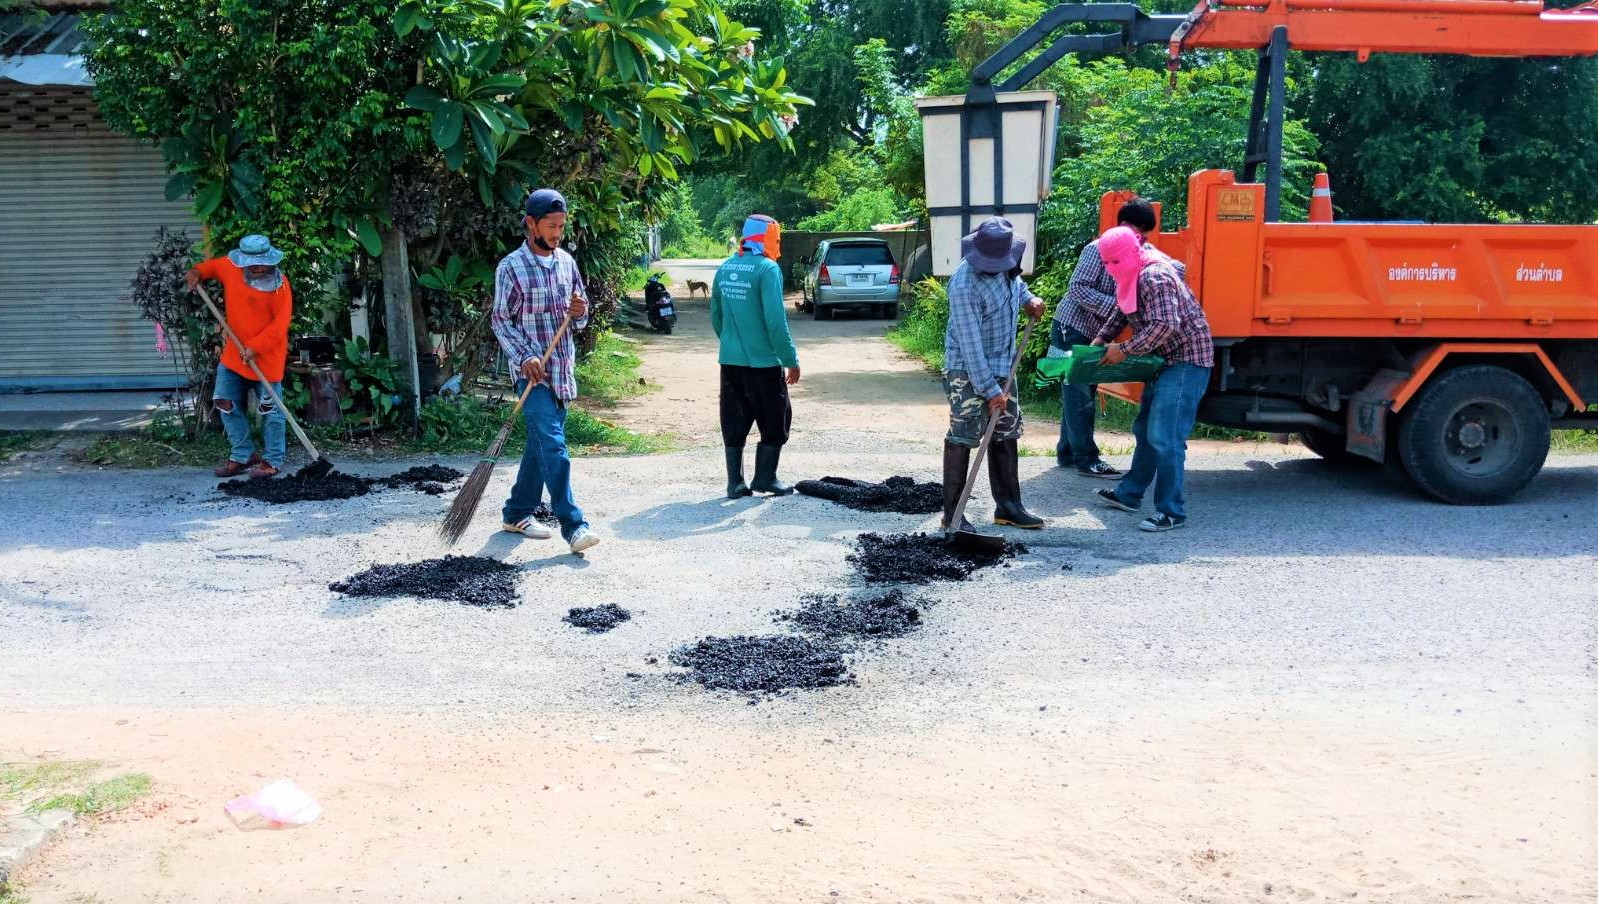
(504, 430)
(265, 383)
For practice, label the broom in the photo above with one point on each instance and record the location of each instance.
(466, 501)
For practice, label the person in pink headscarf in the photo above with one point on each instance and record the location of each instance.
(1166, 320)
(1089, 300)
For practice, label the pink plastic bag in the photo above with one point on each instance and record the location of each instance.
(279, 805)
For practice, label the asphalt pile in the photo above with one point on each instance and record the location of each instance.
(896, 494)
(756, 665)
(598, 619)
(473, 580)
(428, 479)
(883, 615)
(921, 558)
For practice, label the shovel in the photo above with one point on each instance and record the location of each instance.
(319, 466)
(968, 540)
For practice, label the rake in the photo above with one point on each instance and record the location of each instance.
(466, 501)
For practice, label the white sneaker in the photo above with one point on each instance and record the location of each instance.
(584, 539)
(528, 527)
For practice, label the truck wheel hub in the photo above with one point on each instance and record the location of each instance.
(1472, 435)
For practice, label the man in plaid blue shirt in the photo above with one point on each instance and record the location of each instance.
(535, 287)
(1090, 301)
(986, 294)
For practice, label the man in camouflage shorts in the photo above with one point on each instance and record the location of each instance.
(986, 295)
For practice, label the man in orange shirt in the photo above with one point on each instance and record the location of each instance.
(258, 305)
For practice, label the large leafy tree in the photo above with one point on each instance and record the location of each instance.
(336, 124)
(1457, 139)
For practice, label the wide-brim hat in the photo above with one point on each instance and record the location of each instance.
(255, 251)
(993, 247)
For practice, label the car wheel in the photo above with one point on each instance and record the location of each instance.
(1475, 435)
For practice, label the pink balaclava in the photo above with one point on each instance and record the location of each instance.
(1121, 249)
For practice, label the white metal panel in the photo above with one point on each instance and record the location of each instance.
(960, 177)
(79, 209)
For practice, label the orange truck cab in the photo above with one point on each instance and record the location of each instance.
(1453, 349)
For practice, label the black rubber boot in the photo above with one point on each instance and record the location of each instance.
(736, 488)
(766, 459)
(1004, 460)
(956, 462)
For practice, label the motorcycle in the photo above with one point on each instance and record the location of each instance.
(658, 304)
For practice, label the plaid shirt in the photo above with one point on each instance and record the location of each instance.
(982, 315)
(1168, 320)
(530, 301)
(1090, 299)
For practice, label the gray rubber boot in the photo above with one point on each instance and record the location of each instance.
(736, 488)
(1004, 460)
(956, 462)
(766, 459)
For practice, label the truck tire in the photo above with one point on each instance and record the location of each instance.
(1474, 435)
(1331, 447)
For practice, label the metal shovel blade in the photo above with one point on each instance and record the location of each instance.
(969, 540)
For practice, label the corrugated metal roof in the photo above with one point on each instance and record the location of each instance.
(45, 50)
(28, 35)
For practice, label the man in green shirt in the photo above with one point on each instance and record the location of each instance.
(758, 360)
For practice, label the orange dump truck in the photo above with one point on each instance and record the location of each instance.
(1454, 348)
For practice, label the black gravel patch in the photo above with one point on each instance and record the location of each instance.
(896, 494)
(890, 614)
(767, 664)
(921, 558)
(598, 619)
(473, 580)
(428, 479)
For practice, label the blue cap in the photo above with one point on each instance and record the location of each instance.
(545, 201)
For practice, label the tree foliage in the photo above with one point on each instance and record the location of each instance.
(325, 123)
(1454, 139)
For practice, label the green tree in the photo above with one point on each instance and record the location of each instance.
(1457, 139)
(330, 124)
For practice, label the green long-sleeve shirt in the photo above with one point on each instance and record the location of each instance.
(746, 311)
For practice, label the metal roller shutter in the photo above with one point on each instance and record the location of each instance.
(79, 208)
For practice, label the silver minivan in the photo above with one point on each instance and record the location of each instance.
(857, 274)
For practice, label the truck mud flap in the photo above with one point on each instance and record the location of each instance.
(1367, 414)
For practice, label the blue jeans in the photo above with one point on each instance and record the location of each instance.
(1076, 447)
(231, 387)
(1164, 420)
(545, 463)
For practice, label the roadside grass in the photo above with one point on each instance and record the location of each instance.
(100, 798)
(449, 426)
(14, 441)
(66, 785)
(610, 373)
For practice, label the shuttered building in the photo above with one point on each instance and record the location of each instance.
(79, 210)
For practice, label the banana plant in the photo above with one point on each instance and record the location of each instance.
(206, 161)
(468, 101)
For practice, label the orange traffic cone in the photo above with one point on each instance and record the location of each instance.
(1320, 201)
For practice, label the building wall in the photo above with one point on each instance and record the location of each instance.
(79, 209)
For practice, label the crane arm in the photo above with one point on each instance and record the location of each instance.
(1487, 28)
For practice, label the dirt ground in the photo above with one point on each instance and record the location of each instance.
(1324, 689)
(850, 380)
